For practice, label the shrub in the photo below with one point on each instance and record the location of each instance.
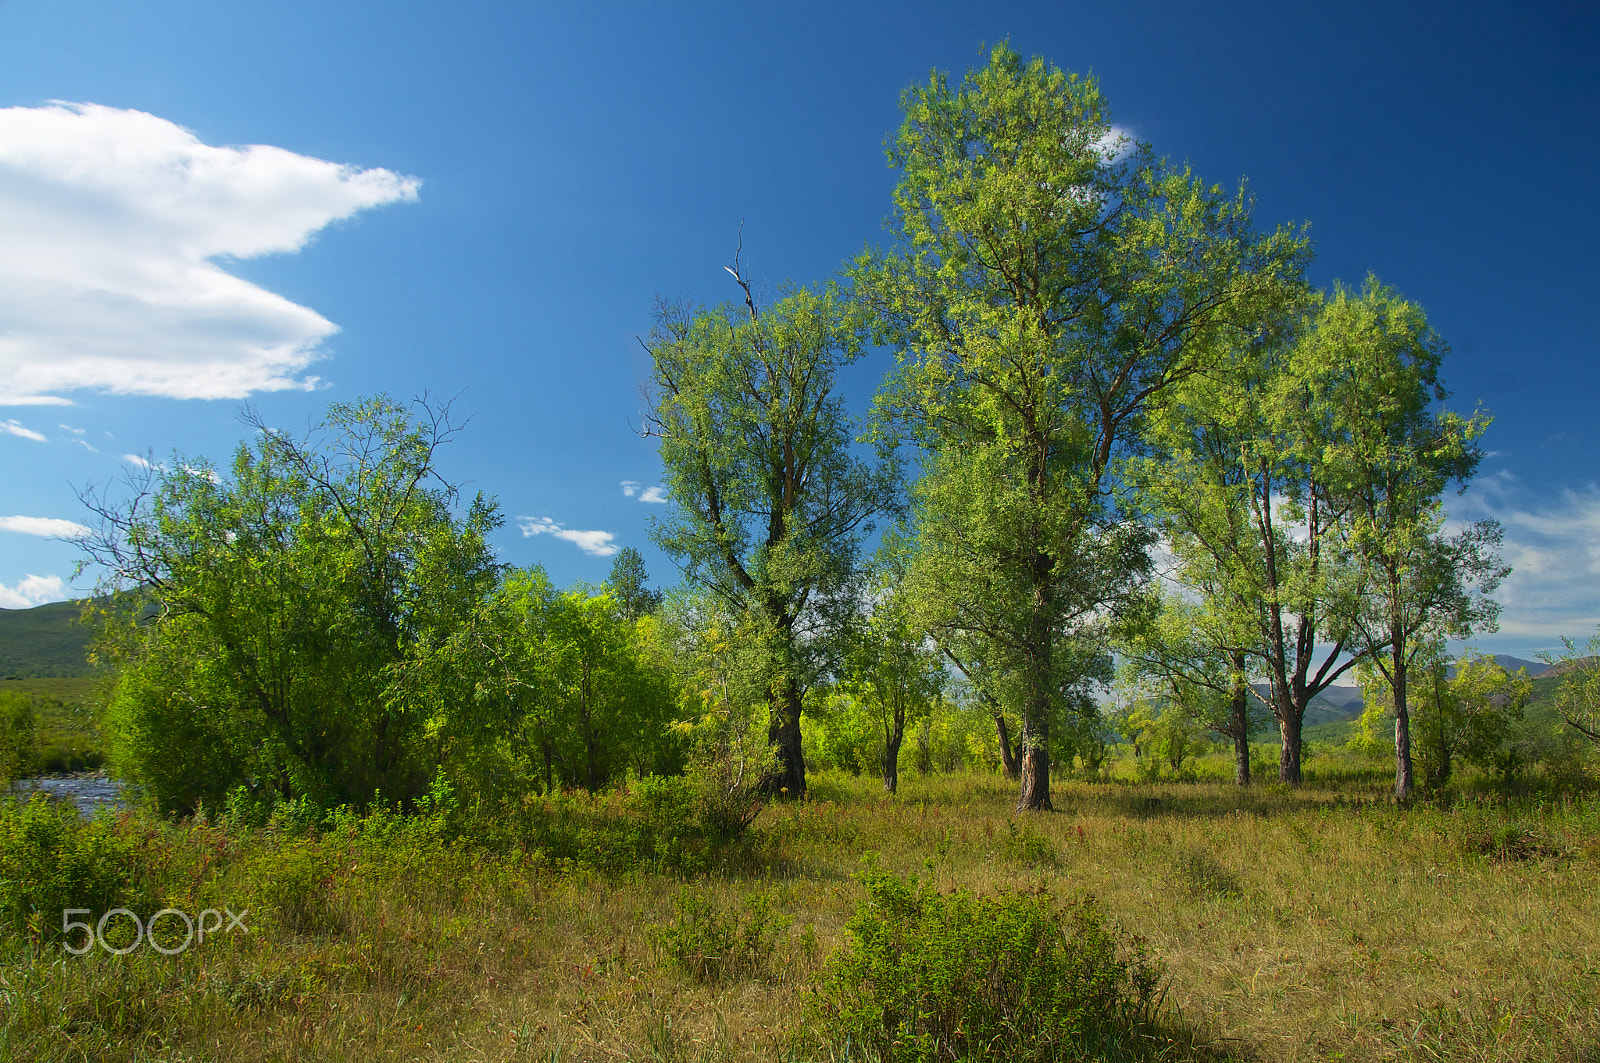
(1024, 847)
(17, 744)
(294, 887)
(933, 976)
(51, 860)
(713, 946)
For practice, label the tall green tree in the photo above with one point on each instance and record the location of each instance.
(628, 583)
(259, 611)
(768, 501)
(1372, 363)
(893, 669)
(1051, 281)
(1191, 655)
(1237, 487)
(1461, 711)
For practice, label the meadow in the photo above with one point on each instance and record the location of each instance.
(1320, 923)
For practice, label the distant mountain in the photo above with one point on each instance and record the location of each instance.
(1336, 704)
(1347, 698)
(44, 642)
(1511, 664)
(1555, 670)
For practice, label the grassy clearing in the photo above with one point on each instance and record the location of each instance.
(1318, 924)
(68, 736)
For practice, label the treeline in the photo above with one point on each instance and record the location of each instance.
(1122, 432)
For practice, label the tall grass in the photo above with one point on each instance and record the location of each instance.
(1314, 924)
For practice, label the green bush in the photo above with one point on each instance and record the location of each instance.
(51, 860)
(713, 946)
(294, 887)
(17, 744)
(932, 976)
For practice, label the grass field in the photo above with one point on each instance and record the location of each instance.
(69, 737)
(1317, 924)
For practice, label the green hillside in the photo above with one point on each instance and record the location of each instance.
(45, 641)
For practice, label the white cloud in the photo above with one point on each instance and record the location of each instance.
(630, 487)
(74, 431)
(31, 591)
(86, 445)
(17, 429)
(46, 526)
(1553, 547)
(1117, 143)
(598, 543)
(653, 494)
(143, 463)
(113, 219)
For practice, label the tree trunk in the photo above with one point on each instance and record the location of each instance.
(590, 772)
(1404, 781)
(1007, 758)
(1035, 774)
(783, 735)
(891, 754)
(1035, 795)
(1239, 721)
(1290, 719)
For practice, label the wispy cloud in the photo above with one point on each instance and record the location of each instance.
(108, 281)
(17, 429)
(85, 444)
(1553, 547)
(630, 487)
(47, 526)
(653, 494)
(143, 463)
(597, 543)
(74, 431)
(31, 591)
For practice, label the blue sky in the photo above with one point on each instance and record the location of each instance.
(484, 200)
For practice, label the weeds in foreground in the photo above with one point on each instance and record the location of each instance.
(1292, 925)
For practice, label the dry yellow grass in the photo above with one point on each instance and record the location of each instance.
(1312, 925)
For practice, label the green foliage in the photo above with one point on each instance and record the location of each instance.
(261, 612)
(1578, 696)
(543, 689)
(18, 744)
(627, 584)
(51, 860)
(294, 887)
(66, 731)
(891, 670)
(1051, 279)
(955, 735)
(1465, 713)
(768, 501)
(727, 774)
(715, 947)
(1391, 450)
(842, 733)
(933, 976)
